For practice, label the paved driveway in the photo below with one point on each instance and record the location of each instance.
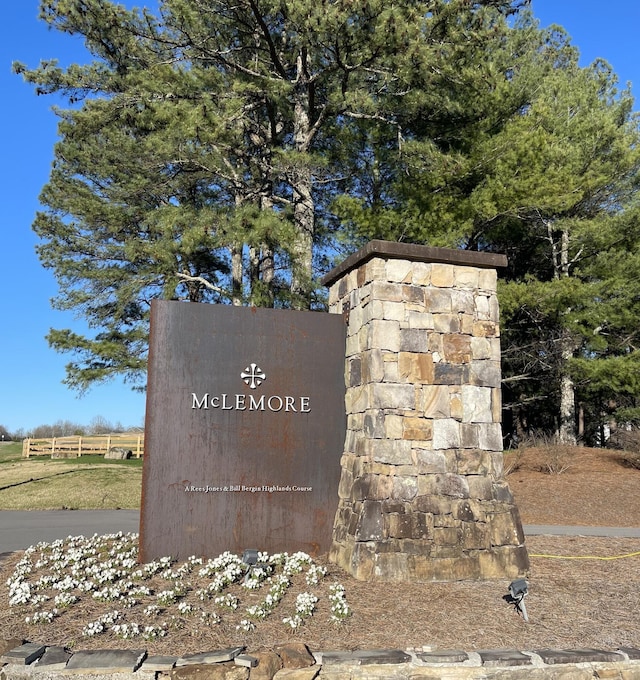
(20, 529)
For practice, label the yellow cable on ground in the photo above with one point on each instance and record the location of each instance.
(586, 557)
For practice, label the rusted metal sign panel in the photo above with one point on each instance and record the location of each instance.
(244, 430)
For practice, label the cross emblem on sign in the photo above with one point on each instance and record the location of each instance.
(253, 376)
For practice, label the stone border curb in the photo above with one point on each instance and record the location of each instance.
(294, 661)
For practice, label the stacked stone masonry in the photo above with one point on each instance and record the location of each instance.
(294, 661)
(422, 495)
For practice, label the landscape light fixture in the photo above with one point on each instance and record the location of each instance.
(250, 557)
(518, 590)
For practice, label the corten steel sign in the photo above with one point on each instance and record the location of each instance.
(244, 430)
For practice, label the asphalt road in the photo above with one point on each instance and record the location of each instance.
(21, 529)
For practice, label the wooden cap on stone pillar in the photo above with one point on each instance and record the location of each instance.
(422, 495)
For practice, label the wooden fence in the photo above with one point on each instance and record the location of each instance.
(69, 447)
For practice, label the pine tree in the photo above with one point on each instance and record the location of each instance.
(543, 165)
(204, 145)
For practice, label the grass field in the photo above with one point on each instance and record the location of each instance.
(85, 483)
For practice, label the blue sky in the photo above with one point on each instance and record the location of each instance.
(31, 374)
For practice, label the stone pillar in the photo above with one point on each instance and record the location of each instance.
(422, 495)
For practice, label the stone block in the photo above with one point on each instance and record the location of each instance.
(446, 433)
(489, 436)
(399, 271)
(442, 275)
(363, 488)
(421, 273)
(364, 658)
(446, 536)
(487, 280)
(504, 657)
(476, 404)
(23, 654)
(474, 461)
(372, 366)
(390, 451)
(354, 371)
(396, 506)
(484, 374)
(294, 655)
(105, 661)
(357, 399)
(466, 323)
(345, 486)
(393, 311)
(428, 461)
(374, 424)
(218, 671)
(480, 487)
(486, 329)
(371, 523)
(389, 292)
(399, 526)
(356, 318)
(463, 510)
(480, 349)
(404, 488)
(269, 663)
(391, 369)
(352, 346)
(451, 550)
(435, 345)
(437, 301)
(466, 277)
(391, 396)
(463, 302)
(393, 426)
(435, 401)
(420, 320)
(469, 435)
(413, 340)
(385, 335)
(449, 374)
(445, 569)
(502, 493)
(214, 656)
(421, 528)
(504, 562)
(446, 323)
(574, 656)
(417, 429)
(442, 656)
(505, 528)
(297, 673)
(390, 567)
(375, 269)
(475, 536)
(457, 349)
(457, 486)
(431, 503)
(55, 659)
(496, 404)
(494, 309)
(482, 308)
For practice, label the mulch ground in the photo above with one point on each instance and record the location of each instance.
(583, 591)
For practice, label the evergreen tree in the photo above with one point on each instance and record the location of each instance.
(204, 145)
(546, 171)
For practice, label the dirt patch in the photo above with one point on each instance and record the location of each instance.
(583, 590)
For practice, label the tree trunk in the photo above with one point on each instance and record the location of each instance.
(301, 183)
(236, 275)
(567, 426)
